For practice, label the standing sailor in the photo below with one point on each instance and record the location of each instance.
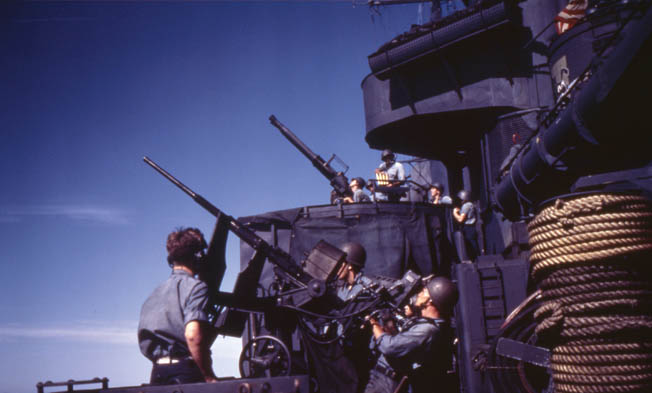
(173, 331)
(390, 174)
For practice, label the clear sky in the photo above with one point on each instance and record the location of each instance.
(88, 89)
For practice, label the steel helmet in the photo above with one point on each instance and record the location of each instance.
(355, 254)
(464, 196)
(360, 181)
(387, 153)
(438, 186)
(443, 294)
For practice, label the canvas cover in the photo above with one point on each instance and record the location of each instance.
(396, 236)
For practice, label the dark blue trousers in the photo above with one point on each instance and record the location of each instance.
(186, 371)
(471, 237)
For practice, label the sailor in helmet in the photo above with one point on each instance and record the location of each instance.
(436, 196)
(395, 174)
(422, 350)
(352, 281)
(466, 216)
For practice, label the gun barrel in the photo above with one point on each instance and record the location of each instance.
(198, 198)
(316, 160)
(279, 257)
(171, 178)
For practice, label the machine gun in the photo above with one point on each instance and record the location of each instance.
(384, 295)
(388, 297)
(398, 294)
(307, 281)
(338, 180)
(304, 290)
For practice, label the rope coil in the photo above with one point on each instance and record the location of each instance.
(627, 358)
(591, 258)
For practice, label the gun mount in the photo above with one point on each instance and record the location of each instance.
(303, 292)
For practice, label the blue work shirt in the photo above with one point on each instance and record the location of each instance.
(444, 200)
(347, 292)
(395, 170)
(360, 196)
(411, 344)
(180, 299)
(422, 350)
(468, 209)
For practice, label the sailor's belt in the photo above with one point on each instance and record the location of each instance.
(170, 360)
(387, 371)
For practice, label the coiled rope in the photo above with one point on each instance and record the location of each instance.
(592, 258)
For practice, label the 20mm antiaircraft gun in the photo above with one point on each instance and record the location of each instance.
(337, 179)
(308, 281)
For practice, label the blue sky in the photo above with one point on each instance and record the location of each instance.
(88, 89)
